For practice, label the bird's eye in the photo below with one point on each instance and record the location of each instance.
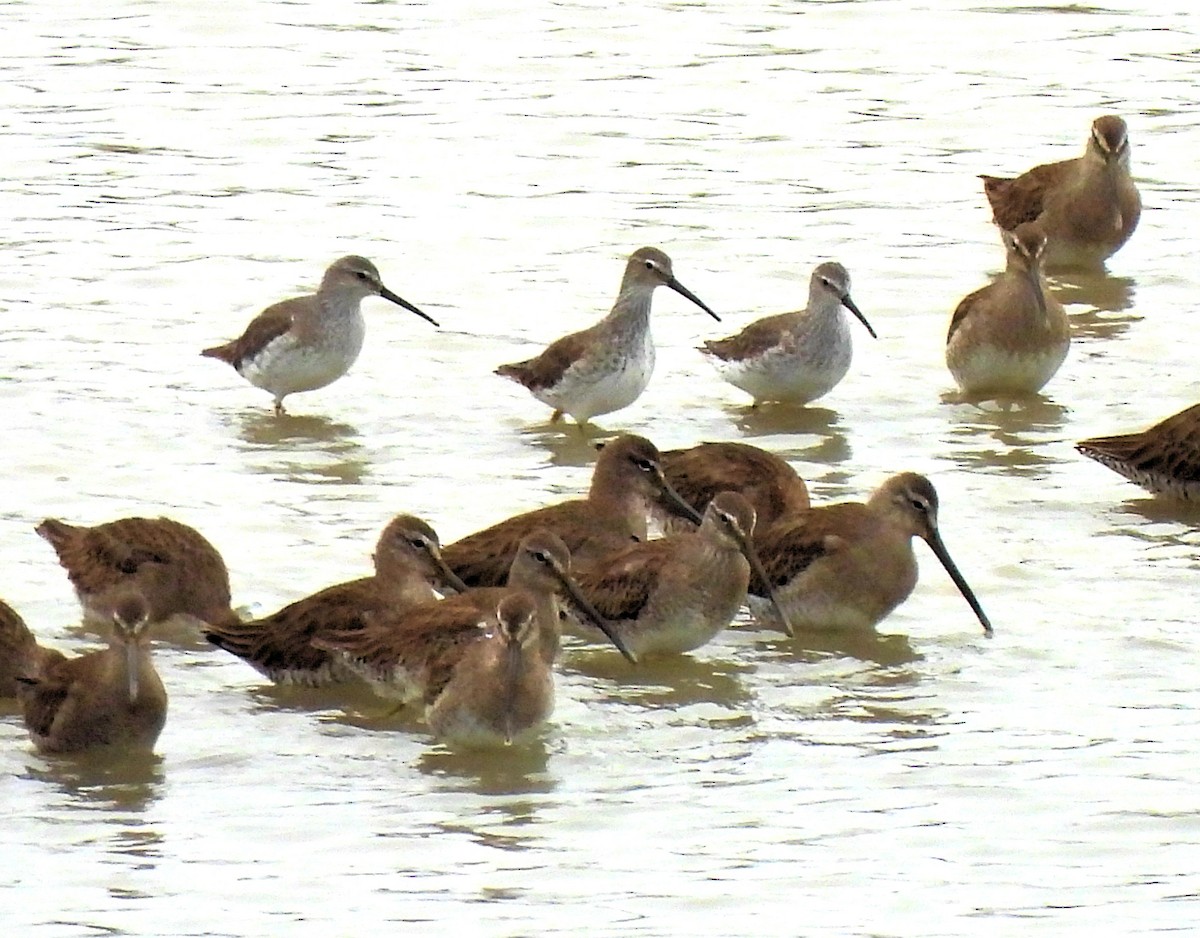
(540, 556)
(361, 274)
(644, 464)
(650, 265)
(919, 505)
(418, 543)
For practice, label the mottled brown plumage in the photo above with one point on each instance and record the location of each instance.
(408, 568)
(848, 565)
(676, 594)
(1087, 206)
(170, 564)
(672, 595)
(1164, 459)
(499, 689)
(402, 655)
(108, 697)
(699, 472)
(626, 482)
(20, 652)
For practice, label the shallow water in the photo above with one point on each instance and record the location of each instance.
(170, 172)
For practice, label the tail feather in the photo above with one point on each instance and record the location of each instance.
(515, 371)
(58, 533)
(224, 353)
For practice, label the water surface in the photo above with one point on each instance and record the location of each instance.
(170, 171)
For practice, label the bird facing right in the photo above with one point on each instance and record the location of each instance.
(408, 568)
(847, 566)
(403, 655)
(1088, 206)
(307, 342)
(672, 595)
(607, 366)
(1012, 335)
(794, 357)
(627, 481)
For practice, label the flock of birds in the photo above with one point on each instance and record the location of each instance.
(470, 632)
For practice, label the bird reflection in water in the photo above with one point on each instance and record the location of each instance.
(830, 446)
(1008, 436)
(867, 645)
(113, 779)
(669, 681)
(518, 770)
(565, 449)
(1089, 295)
(306, 448)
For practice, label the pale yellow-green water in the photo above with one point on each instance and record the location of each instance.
(170, 169)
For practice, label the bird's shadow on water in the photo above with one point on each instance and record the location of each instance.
(665, 682)
(566, 443)
(830, 446)
(302, 447)
(1008, 434)
(263, 428)
(109, 777)
(353, 703)
(810, 647)
(517, 769)
(1103, 299)
(1180, 521)
(512, 770)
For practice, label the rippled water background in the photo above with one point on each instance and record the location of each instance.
(169, 169)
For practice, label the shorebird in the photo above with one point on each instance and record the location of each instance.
(408, 568)
(607, 366)
(171, 565)
(1012, 335)
(672, 595)
(499, 690)
(794, 357)
(19, 651)
(1087, 206)
(108, 697)
(847, 566)
(699, 472)
(1164, 459)
(402, 656)
(627, 482)
(307, 342)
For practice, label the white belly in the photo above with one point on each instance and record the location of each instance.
(605, 381)
(777, 376)
(285, 366)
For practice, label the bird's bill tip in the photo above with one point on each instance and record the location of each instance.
(939, 549)
(685, 292)
(853, 307)
(400, 301)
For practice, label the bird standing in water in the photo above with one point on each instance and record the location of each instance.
(606, 367)
(309, 341)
